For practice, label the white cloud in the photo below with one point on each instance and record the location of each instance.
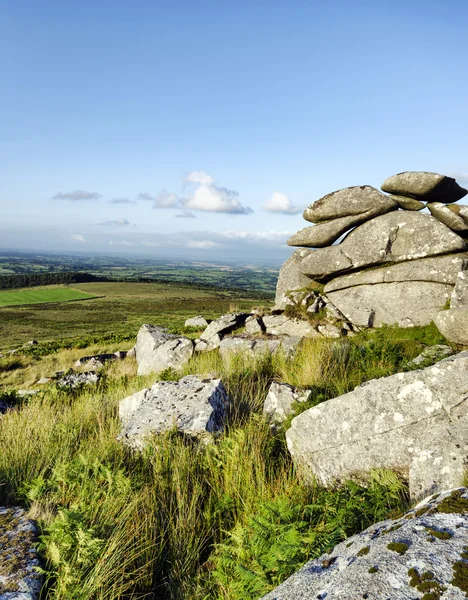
(202, 244)
(121, 201)
(77, 237)
(185, 214)
(76, 196)
(121, 243)
(277, 237)
(166, 199)
(199, 177)
(116, 222)
(145, 196)
(280, 203)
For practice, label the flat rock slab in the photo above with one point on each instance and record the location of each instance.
(192, 405)
(430, 187)
(291, 278)
(395, 237)
(258, 347)
(408, 203)
(156, 350)
(18, 556)
(448, 217)
(405, 304)
(400, 559)
(453, 324)
(352, 201)
(283, 325)
(414, 423)
(216, 330)
(438, 269)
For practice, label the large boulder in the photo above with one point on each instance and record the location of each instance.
(406, 303)
(430, 187)
(157, 350)
(420, 555)
(362, 200)
(453, 324)
(414, 423)
(192, 405)
(460, 291)
(438, 269)
(395, 237)
(19, 579)
(290, 279)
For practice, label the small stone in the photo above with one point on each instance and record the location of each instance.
(432, 354)
(283, 325)
(280, 399)
(254, 325)
(408, 203)
(460, 210)
(198, 322)
(453, 324)
(329, 331)
(447, 217)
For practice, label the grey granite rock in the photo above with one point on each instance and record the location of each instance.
(351, 201)
(280, 399)
(430, 187)
(76, 380)
(89, 360)
(447, 217)
(432, 354)
(459, 209)
(460, 291)
(198, 322)
(414, 423)
(291, 278)
(156, 350)
(415, 556)
(19, 559)
(258, 347)
(406, 303)
(283, 325)
(408, 203)
(192, 405)
(453, 324)
(330, 331)
(217, 329)
(254, 324)
(439, 269)
(395, 237)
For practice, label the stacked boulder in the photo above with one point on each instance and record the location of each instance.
(395, 264)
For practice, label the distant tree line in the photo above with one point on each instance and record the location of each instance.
(21, 280)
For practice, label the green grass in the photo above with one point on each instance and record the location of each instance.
(117, 308)
(42, 295)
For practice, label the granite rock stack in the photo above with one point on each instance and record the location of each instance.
(378, 258)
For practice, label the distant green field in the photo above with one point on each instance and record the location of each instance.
(41, 296)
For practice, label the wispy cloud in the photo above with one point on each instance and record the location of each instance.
(185, 214)
(121, 201)
(166, 199)
(202, 244)
(122, 222)
(77, 237)
(121, 243)
(77, 196)
(146, 196)
(280, 203)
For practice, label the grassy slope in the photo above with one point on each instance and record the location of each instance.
(42, 295)
(121, 308)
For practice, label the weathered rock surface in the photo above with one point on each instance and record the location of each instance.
(254, 324)
(460, 291)
(408, 203)
(460, 210)
(453, 324)
(395, 237)
(283, 325)
(194, 406)
(157, 350)
(18, 556)
(329, 331)
(447, 217)
(291, 278)
(439, 269)
(279, 402)
(215, 331)
(198, 322)
(414, 423)
(421, 185)
(327, 232)
(432, 354)
(406, 303)
(258, 347)
(101, 358)
(415, 556)
(76, 380)
(350, 201)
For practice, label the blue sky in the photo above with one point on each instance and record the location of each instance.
(202, 117)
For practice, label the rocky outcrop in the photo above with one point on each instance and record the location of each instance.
(19, 579)
(73, 381)
(428, 187)
(192, 405)
(414, 423)
(280, 400)
(420, 555)
(283, 325)
(392, 255)
(156, 350)
(216, 330)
